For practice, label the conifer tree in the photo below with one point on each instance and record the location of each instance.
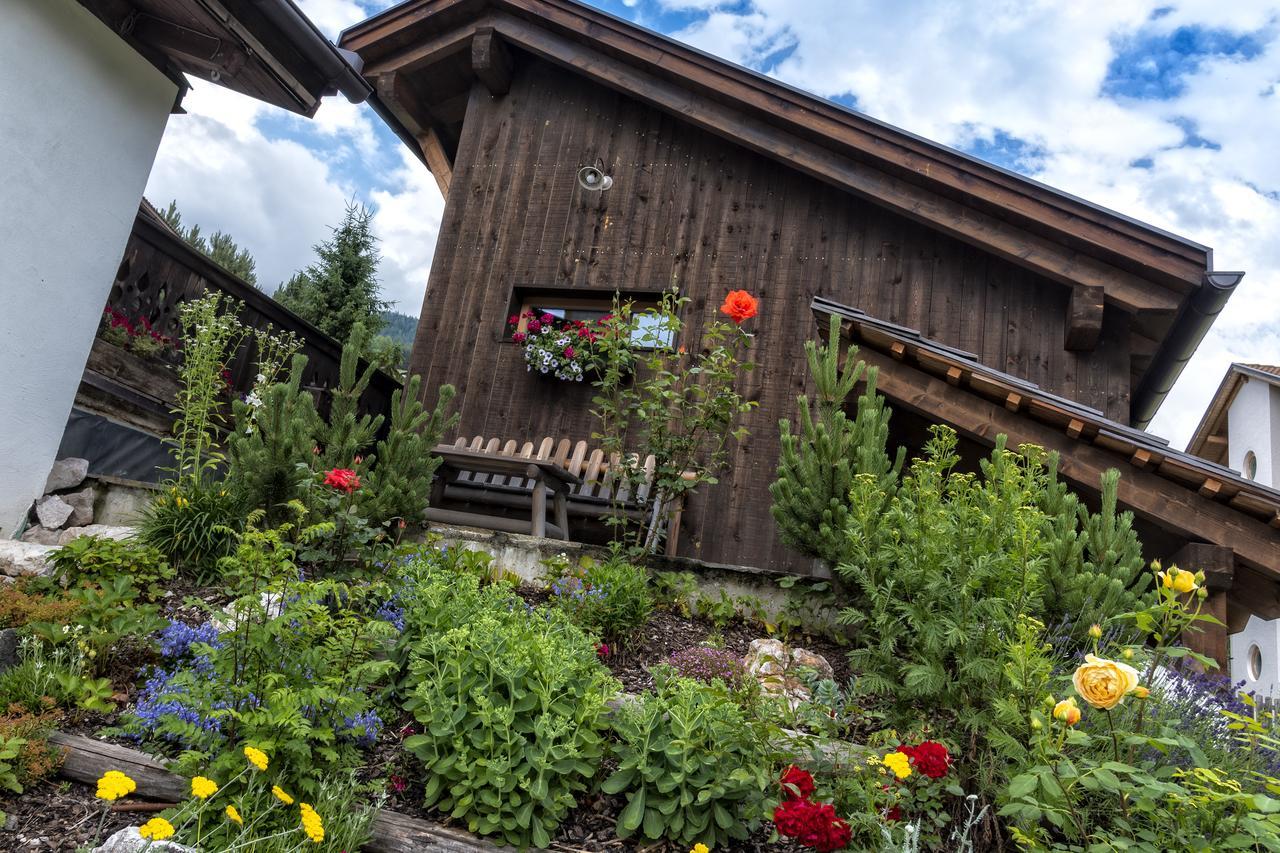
(341, 288)
(1094, 567)
(399, 486)
(347, 432)
(269, 451)
(817, 466)
(220, 248)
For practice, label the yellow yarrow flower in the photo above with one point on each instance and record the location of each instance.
(700, 848)
(281, 795)
(898, 763)
(203, 787)
(311, 823)
(234, 816)
(113, 785)
(256, 757)
(156, 829)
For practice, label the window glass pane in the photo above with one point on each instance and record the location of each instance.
(648, 330)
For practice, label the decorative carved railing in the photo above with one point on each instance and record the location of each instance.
(160, 271)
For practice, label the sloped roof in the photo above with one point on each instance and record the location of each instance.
(1170, 488)
(1210, 438)
(423, 56)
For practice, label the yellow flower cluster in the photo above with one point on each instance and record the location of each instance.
(234, 816)
(311, 823)
(156, 829)
(1104, 683)
(113, 785)
(256, 757)
(203, 787)
(898, 763)
(700, 848)
(281, 795)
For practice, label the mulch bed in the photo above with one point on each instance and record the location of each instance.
(60, 816)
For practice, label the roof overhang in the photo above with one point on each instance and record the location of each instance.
(266, 49)
(424, 55)
(1210, 438)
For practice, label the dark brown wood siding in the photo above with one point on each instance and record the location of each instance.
(689, 209)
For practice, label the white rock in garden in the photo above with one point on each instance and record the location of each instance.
(803, 658)
(24, 558)
(128, 840)
(81, 506)
(778, 669)
(53, 511)
(270, 603)
(41, 535)
(102, 531)
(66, 474)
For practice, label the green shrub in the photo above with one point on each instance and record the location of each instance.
(109, 619)
(694, 767)
(35, 682)
(512, 708)
(194, 524)
(92, 559)
(610, 598)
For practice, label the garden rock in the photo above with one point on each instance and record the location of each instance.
(24, 558)
(66, 474)
(102, 531)
(8, 649)
(128, 840)
(81, 507)
(41, 535)
(779, 669)
(53, 511)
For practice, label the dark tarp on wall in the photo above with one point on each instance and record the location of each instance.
(113, 449)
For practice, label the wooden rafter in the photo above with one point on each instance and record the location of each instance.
(1084, 317)
(491, 61)
(396, 94)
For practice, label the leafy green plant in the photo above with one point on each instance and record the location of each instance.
(816, 466)
(194, 525)
(654, 398)
(10, 750)
(109, 616)
(676, 591)
(97, 560)
(693, 766)
(34, 682)
(610, 598)
(346, 433)
(35, 759)
(512, 709)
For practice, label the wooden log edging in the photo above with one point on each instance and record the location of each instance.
(86, 759)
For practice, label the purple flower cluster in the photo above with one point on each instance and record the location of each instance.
(162, 698)
(707, 664)
(575, 590)
(176, 639)
(391, 611)
(363, 728)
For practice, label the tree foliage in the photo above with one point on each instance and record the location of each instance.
(817, 465)
(220, 248)
(341, 288)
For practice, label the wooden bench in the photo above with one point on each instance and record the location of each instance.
(541, 475)
(592, 494)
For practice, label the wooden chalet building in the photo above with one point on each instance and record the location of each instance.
(1038, 314)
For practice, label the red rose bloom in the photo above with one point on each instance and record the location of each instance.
(739, 305)
(797, 784)
(893, 815)
(342, 479)
(929, 757)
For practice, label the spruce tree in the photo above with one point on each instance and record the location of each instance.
(341, 288)
(269, 451)
(348, 433)
(220, 248)
(817, 466)
(399, 486)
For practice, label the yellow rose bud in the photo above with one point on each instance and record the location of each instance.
(1036, 725)
(1104, 683)
(1141, 692)
(1067, 711)
(1095, 631)
(1127, 654)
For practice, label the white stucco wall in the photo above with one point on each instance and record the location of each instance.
(1253, 424)
(81, 115)
(1257, 645)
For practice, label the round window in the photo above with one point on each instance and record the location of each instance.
(1251, 465)
(1255, 663)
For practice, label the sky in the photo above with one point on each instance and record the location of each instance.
(1166, 111)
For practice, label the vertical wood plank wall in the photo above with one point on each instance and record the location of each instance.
(690, 209)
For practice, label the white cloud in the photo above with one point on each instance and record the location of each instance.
(1035, 71)
(406, 222)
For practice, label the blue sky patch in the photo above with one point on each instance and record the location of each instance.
(1153, 65)
(1006, 150)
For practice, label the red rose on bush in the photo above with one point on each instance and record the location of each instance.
(929, 757)
(342, 479)
(739, 305)
(797, 784)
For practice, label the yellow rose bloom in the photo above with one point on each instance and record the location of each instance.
(256, 757)
(898, 763)
(281, 795)
(203, 787)
(311, 823)
(234, 816)
(1104, 683)
(1178, 580)
(156, 829)
(1067, 711)
(113, 785)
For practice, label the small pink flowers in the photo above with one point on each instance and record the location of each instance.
(396, 783)
(568, 352)
(602, 650)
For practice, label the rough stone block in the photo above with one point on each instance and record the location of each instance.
(53, 511)
(66, 474)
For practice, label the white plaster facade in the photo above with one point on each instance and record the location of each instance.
(1253, 427)
(81, 116)
(1255, 656)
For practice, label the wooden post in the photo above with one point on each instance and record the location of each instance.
(1084, 317)
(562, 511)
(1218, 565)
(539, 502)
